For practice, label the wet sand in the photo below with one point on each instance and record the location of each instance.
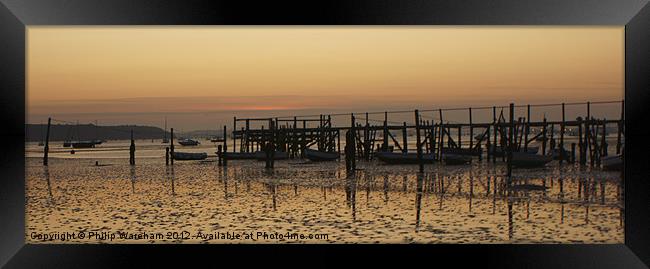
(458, 204)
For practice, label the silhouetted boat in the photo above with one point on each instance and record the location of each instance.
(278, 155)
(216, 140)
(319, 156)
(188, 142)
(187, 156)
(462, 151)
(83, 144)
(455, 159)
(612, 163)
(556, 154)
(531, 150)
(238, 155)
(403, 158)
(527, 160)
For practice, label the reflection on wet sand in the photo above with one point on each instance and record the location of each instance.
(551, 205)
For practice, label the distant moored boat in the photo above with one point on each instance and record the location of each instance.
(527, 160)
(456, 159)
(188, 142)
(278, 155)
(187, 156)
(612, 163)
(319, 156)
(403, 158)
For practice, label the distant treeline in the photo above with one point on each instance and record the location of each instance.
(63, 132)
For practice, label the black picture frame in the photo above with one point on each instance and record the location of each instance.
(16, 15)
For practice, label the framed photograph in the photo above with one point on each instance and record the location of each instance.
(506, 132)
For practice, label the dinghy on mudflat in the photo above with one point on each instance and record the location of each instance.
(188, 142)
(403, 158)
(456, 159)
(612, 163)
(238, 155)
(461, 151)
(527, 160)
(189, 156)
(278, 155)
(320, 156)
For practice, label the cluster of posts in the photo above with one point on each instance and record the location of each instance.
(503, 135)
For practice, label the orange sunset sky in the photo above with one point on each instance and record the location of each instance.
(200, 77)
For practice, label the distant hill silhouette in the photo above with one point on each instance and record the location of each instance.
(63, 132)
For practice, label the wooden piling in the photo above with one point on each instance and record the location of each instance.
(562, 127)
(441, 136)
(544, 137)
(573, 152)
(46, 150)
(405, 140)
(471, 131)
(511, 142)
(527, 130)
(166, 155)
(234, 139)
(171, 145)
(219, 154)
(132, 150)
(620, 128)
(224, 162)
(385, 142)
(494, 123)
(417, 141)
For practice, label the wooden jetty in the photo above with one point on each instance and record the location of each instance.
(436, 137)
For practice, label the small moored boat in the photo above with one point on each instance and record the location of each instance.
(403, 158)
(320, 156)
(527, 160)
(187, 156)
(612, 163)
(238, 155)
(456, 159)
(188, 142)
(462, 151)
(278, 155)
(83, 144)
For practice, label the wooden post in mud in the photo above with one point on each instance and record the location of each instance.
(494, 145)
(234, 129)
(384, 147)
(132, 150)
(219, 154)
(603, 142)
(588, 133)
(441, 144)
(46, 150)
(581, 143)
(527, 130)
(620, 128)
(544, 138)
(166, 155)
(471, 131)
(247, 136)
(404, 139)
(225, 147)
(171, 145)
(573, 152)
(562, 127)
(417, 141)
(511, 143)
(350, 147)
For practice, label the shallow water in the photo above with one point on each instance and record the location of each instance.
(378, 204)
